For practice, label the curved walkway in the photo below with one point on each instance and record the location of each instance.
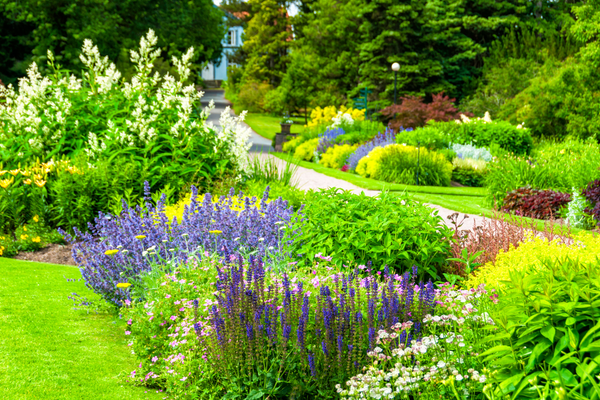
(307, 179)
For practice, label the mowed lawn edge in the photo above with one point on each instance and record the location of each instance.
(48, 350)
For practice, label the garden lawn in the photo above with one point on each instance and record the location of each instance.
(267, 126)
(50, 351)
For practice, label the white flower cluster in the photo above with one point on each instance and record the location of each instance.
(235, 136)
(341, 119)
(444, 357)
(41, 111)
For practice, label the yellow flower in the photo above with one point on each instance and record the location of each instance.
(123, 285)
(25, 173)
(36, 239)
(40, 183)
(3, 172)
(111, 252)
(562, 151)
(140, 237)
(215, 232)
(27, 181)
(5, 183)
(36, 218)
(14, 172)
(25, 228)
(24, 237)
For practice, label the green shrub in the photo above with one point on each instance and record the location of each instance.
(482, 132)
(399, 164)
(251, 96)
(386, 230)
(469, 172)
(291, 145)
(336, 156)
(553, 165)
(306, 150)
(548, 333)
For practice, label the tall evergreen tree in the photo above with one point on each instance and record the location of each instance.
(437, 43)
(266, 41)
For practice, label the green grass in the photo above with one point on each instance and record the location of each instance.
(50, 351)
(267, 125)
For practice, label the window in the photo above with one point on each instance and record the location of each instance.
(231, 38)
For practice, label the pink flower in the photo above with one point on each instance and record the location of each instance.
(154, 359)
(127, 332)
(173, 317)
(129, 322)
(183, 379)
(127, 302)
(167, 296)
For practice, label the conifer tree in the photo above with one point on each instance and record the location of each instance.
(266, 41)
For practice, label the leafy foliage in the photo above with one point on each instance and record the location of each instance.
(413, 113)
(386, 230)
(549, 338)
(540, 204)
(469, 172)
(592, 194)
(115, 27)
(400, 164)
(336, 156)
(556, 166)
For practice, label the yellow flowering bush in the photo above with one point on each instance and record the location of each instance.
(291, 145)
(336, 156)
(324, 116)
(530, 255)
(306, 151)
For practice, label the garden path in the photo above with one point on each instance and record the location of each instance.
(307, 178)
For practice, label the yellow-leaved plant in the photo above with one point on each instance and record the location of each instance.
(531, 254)
(336, 156)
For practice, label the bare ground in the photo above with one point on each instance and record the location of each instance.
(52, 254)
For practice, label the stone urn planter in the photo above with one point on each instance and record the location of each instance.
(285, 129)
(283, 137)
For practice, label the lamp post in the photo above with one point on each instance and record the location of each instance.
(395, 68)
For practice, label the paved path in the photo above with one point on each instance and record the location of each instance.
(307, 178)
(259, 143)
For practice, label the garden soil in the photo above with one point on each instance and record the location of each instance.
(52, 254)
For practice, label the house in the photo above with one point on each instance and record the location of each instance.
(214, 74)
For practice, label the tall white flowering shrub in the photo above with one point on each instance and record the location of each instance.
(101, 114)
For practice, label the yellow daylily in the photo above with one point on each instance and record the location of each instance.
(5, 183)
(3, 172)
(27, 181)
(40, 183)
(14, 172)
(25, 173)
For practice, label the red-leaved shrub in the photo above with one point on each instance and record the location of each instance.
(412, 112)
(534, 203)
(592, 194)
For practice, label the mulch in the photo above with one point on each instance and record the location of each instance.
(52, 254)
